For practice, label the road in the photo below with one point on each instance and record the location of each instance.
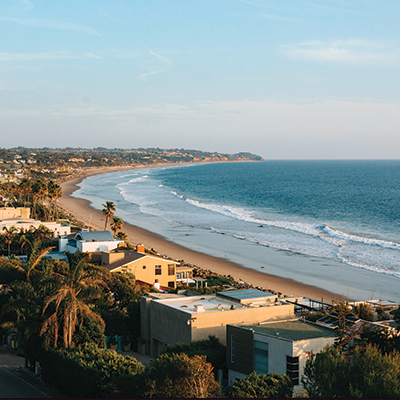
(16, 383)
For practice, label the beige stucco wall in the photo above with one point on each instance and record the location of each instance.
(214, 323)
(11, 212)
(108, 257)
(148, 274)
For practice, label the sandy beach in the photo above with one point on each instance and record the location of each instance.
(82, 211)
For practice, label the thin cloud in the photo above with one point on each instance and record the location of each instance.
(48, 24)
(92, 55)
(35, 56)
(143, 77)
(160, 57)
(344, 51)
(27, 4)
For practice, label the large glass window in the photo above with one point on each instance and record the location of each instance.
(261, 357)
(171, 269)
(292, 369)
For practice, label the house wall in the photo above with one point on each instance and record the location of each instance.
(214, 323)
(97, 246)
(169, 325)
(165, 325)
(239, 349)
(300, 349)
(56, 228)
(109, 258)
(11, 212)
(278, 349)
(148, 275)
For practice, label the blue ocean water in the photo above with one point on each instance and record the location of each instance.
(347, 211)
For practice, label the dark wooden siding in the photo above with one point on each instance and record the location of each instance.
(239, 349)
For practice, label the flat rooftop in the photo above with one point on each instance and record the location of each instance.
(247, 296)
(202, 303)
(293, 330)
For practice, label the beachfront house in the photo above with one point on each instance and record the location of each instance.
(279, 346)
(57, 228)
(184, 275)
(147, 268)
(89, 242)
(195, 316)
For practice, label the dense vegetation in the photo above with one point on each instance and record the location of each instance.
(48, 162)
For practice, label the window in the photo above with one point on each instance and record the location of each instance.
(292, 369)
(261, 357)
(171, 284)
(171, 269)
(158, 270)
(144, 267)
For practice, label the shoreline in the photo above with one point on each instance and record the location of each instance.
(82, 210)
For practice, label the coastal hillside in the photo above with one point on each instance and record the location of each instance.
(65, 161)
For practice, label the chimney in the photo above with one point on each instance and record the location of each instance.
(140, 248)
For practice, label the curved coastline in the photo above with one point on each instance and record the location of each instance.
(83, 211)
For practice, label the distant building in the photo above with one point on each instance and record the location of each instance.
(57, 228)
(146, 268)
(89, 242)
(11, 212)
(279, 347)
(183, 318)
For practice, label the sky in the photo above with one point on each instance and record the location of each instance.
(284, 79)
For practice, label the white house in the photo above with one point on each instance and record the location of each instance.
(57, 228)
(89, 242)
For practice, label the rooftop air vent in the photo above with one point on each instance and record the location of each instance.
(198, 307)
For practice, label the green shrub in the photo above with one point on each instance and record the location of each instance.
(94, 372)
(211, 348)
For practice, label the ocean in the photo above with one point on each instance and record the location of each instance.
(342, 216)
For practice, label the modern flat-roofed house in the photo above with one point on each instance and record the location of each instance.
(279, 347)
(57, 228)
(146, 268)
(87, 242)
(186, 317)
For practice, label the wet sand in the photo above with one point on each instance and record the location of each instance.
(82, 211)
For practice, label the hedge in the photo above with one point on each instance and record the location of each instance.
(87, 371)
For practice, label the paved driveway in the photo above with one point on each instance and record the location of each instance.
(16, 383)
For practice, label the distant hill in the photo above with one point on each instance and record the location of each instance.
(60, 162)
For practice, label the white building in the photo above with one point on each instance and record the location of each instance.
(57, 228)
(89, 242)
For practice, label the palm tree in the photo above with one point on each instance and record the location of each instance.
(122, 236)
(71, 299)
(9, 234)
(108, 211)
(33, 260)
(39, 189)
(54, 193)
(116, 225)
(25, 187)
(57, 195)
